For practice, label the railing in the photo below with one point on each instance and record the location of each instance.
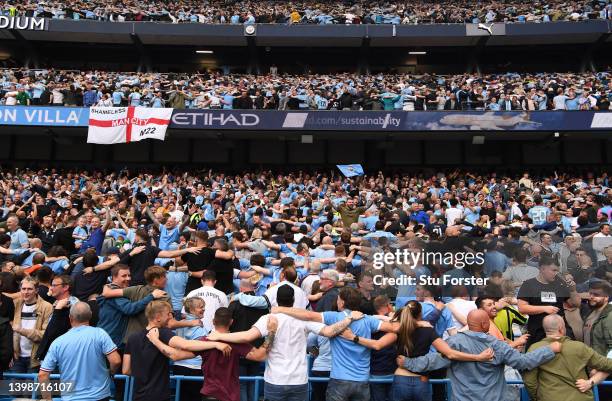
(129, 384)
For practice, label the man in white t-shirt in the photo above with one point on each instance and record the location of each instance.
(11, 97)
(286, 374)
(312, 277)
(519, 271)
(601, 241)
(212, 297)
(287, 277)
(453, 213)
(460, 306)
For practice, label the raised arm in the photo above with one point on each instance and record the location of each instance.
(130, 308)
(114, 259)
(198, 346)
(178, 324)
(461, 318)
(179, 252)
(526, 309)
(338, 327)
(300, 314)
(122, 223)
(271, 245)
(383, 342)
(441, 346)
(240, 337)
(262, 270)
(426, 363)
(227, 255)
(530, 360)
(108, 292)
(152, 216)
(260, 354)
(108, 221)
(185, 222)
(253, 301)
(6, 251)
(168, 351)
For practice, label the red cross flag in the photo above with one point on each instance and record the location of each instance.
(108, 125)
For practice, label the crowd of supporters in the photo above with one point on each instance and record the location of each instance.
(342, 91)
(317, 12)
(139, 268)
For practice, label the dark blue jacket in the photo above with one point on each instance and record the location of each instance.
(114, 314)
(420, 217)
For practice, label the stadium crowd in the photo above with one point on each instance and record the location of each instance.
(218, 272)
(343, 91)
(316, 12)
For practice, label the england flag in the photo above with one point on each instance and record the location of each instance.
(109, 125)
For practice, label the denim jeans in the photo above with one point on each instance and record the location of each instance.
(298, 392)
(22, 365)
(410, 388)
(381, 391)
(347, 390)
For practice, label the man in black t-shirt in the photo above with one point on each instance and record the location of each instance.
(143, 255)
(544, 295)
(196, 264)
(148, 366)
(63, 236)
(223, 266)
(208, 259)
(92, 278)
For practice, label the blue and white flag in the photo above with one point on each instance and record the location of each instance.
(350, 170)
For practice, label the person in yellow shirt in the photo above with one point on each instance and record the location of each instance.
(295, 17)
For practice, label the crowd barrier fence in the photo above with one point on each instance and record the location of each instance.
(258, 380)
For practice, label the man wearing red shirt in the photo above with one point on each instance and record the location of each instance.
(221, 374)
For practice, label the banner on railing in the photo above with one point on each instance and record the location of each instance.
(314, 120)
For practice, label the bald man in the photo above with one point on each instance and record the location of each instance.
(470, 380)
(86, 369)
(556, 379)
